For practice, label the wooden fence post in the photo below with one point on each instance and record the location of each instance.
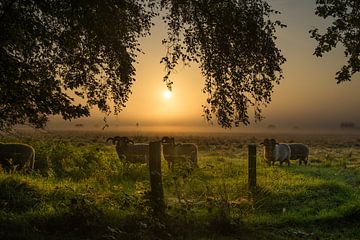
(157, 192)
(252, 166)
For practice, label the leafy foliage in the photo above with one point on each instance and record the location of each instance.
(345, 29)
(63, 57)
(234, 43)
(63, 159)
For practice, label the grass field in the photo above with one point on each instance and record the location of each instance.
(81, 190)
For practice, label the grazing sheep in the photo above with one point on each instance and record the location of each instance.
(130, 152)
(274, 151)
(180, 151)
(17, 156)
(299, 151)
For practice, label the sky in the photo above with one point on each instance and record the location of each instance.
(307, 98)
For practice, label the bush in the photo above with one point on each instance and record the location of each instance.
(65, 160)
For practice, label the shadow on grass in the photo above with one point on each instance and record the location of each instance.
(307, 202)
(327, 173)
(327, 205)
(323, 201)
(18, 196)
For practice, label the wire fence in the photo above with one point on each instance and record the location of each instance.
(224, 180)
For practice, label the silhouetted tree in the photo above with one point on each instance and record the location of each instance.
(64, 57)
(345, 29)
(233, 41)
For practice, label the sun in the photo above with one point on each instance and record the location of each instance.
(167, 94)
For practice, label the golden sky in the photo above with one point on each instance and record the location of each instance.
(308, 97)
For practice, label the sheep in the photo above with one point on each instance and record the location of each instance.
(180, 151)
(299, 151)
(130, 152)
(274, 151)
(17, 156)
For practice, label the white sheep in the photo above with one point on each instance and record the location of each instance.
(17, 156)
(130, 152)
(299, 151)
(274, 151)
(180, 151)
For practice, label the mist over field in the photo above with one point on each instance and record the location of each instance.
(201, 127)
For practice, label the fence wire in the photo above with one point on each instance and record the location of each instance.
(220, 181)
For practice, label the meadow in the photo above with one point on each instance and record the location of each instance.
(81, 190)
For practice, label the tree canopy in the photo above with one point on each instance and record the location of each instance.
(64, 57)
(234, 43)
(345, 30)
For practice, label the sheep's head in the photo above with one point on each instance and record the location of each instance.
(269, 147)
(168, 140)
(168, 145)
(120, 140)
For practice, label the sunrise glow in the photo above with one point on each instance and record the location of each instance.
(167, 94)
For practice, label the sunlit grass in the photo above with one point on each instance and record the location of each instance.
(83, 190)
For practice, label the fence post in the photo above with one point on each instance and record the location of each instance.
(252, 166)
(157, 192)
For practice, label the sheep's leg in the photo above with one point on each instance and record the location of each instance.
(193, 157)
(32, 163)
(177, 190)
(125, 167)
(29, 164)
(7, 164)
(169, 165)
